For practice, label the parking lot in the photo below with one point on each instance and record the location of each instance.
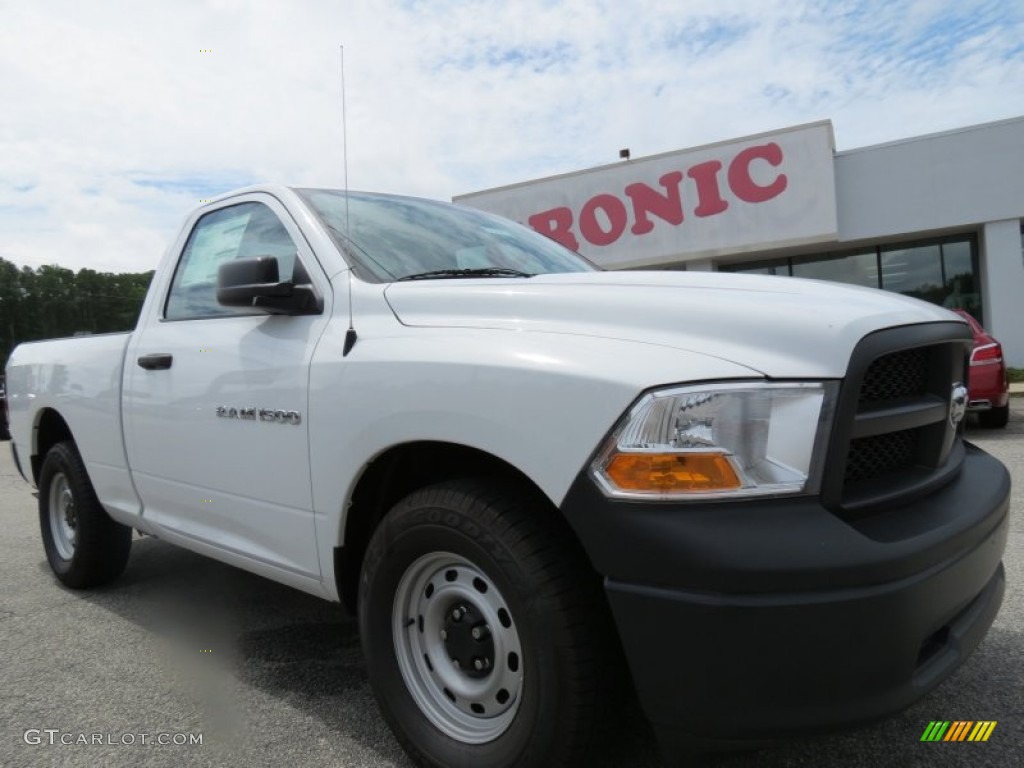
(183, 646)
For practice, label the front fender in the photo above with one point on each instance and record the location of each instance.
(540, 402)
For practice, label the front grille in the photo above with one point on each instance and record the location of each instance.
(871, 457)
(896, 375)
(892, 435)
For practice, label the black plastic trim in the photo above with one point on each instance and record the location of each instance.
(882, 493)
(765, 545)
(945, 365)
(748, 621)
(17, 464)
(897, 417)
(755, 674)
(350, 341)
(157, 361)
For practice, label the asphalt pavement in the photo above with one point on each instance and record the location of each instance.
(183, 649)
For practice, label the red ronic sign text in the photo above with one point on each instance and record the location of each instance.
(603, 219)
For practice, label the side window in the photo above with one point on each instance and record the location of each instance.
(239, 232)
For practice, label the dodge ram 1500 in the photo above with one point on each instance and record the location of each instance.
(533, 481)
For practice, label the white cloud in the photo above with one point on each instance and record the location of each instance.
(116, 122)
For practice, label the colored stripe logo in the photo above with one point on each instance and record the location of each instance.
(958, 730)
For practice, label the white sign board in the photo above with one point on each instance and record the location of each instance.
(760, 192)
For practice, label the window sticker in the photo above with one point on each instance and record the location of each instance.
(215, 243)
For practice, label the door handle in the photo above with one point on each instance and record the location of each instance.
(160, 361)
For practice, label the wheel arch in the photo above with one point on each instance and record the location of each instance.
(394, 474)
(50, 428)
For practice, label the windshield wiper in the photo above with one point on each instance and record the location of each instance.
(481, 272)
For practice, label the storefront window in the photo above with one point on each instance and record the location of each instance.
(855, 268)
(777, 267)
(962, 290)
(943, 271)
(774, 269)
(914, 272)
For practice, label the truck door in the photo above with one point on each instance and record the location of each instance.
(215, 398)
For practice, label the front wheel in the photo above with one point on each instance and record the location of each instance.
(84, 546)
(486, 634)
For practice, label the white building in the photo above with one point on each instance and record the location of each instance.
(938, 217)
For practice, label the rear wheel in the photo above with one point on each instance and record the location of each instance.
(996, 418)
(485, 631)
(84, 546)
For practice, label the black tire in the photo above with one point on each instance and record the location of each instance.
(84, 546)
(571, 663)
(996, 418)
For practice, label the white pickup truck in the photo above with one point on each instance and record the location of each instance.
(533, 481)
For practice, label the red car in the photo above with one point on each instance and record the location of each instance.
(987, 385)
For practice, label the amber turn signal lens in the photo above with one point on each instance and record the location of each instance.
(672, 472)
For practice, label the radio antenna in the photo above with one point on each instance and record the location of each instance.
(344, 137)
(350, 334)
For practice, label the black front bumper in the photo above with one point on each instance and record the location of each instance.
(746, 621)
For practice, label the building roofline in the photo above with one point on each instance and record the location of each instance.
(929, 136)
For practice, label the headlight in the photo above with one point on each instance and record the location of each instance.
(718, 440)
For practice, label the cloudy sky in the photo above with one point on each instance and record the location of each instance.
(119, 116)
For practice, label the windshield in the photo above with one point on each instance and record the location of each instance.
(393, 237)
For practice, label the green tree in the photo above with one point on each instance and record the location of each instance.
(52, 301)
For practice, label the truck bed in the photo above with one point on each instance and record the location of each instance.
(84, 387)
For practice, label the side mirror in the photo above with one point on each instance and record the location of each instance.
(256, 284)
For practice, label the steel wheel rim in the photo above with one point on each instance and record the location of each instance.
(473, 705)
(63, 516)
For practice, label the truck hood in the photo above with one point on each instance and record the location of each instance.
(779, 327)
